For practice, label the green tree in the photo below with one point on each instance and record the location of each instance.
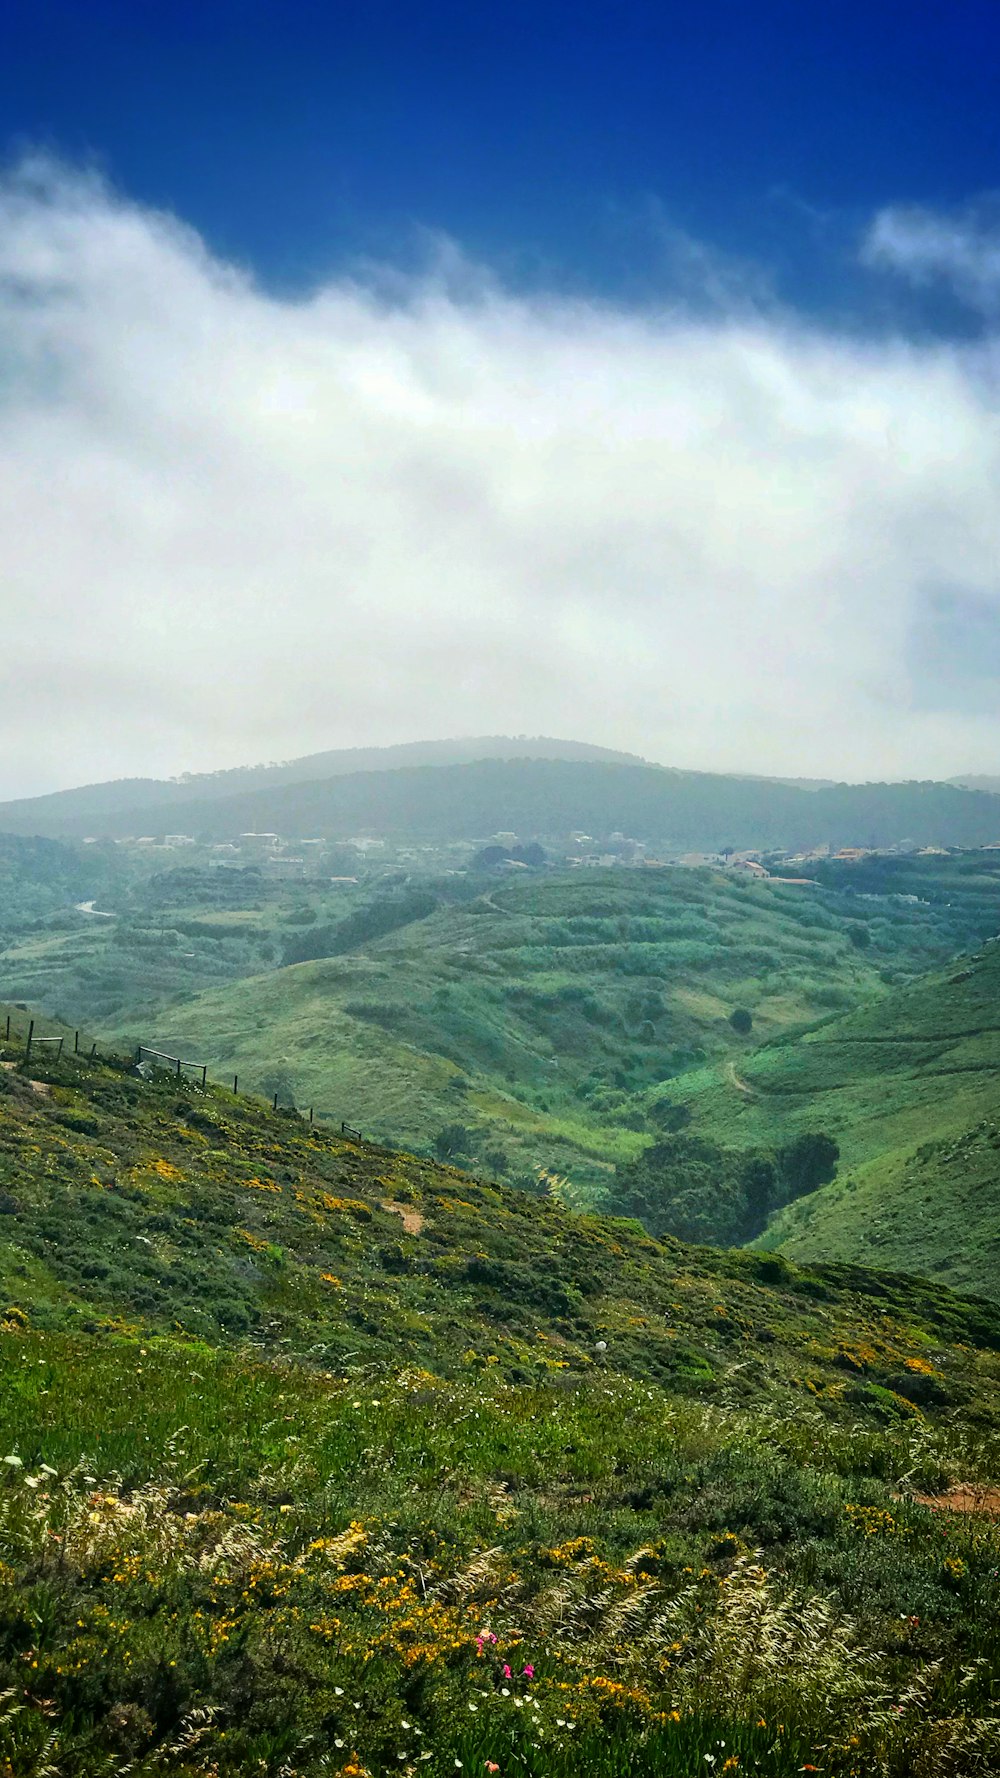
(808, 1162)
(453, 1142)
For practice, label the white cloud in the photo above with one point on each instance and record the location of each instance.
(234, 527)
(960, 249)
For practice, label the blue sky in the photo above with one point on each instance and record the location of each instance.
(377, 372)
(554, 140)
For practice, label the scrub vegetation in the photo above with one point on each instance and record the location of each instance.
(323, 1458)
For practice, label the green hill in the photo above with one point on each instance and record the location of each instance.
(532, 1015)
(322, 1462)
(97, 803)
(910, 1089)
(548, 798)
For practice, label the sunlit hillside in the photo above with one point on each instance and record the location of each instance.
(326, 1461)
(532, 1015)
(910, 1089)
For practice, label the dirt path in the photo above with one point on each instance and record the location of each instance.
(738, 1082)
(40, 1087)
(495, 905)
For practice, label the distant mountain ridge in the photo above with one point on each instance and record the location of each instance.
(670, 810)
(987, 781)
(119, 795)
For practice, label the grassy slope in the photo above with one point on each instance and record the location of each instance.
(702, 1541)
(909, 1087)
(526, 1013)
(191, 1210)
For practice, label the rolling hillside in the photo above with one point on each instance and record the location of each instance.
(910, 1088)
(323, 1462)
(532, 1015)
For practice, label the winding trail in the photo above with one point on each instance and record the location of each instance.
(739, 1083)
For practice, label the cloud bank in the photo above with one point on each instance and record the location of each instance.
(236, 527)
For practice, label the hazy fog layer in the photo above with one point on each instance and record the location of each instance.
(234, 527)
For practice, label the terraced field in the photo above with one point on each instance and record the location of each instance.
(533, 1016)
(910, 1089)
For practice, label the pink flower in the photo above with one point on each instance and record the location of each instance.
(529, 1672)
(506, 1672)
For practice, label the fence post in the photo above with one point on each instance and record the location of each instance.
(27, 1049)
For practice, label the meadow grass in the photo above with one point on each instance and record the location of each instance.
(294, 1486)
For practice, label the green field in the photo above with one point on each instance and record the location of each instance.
(324, 1460)
(910, 1089)
(534, 1015)
(555, 1024)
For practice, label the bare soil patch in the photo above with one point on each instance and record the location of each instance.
(412, 1220)
(965, 1497)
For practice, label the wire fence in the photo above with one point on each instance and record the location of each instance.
(179, 1066)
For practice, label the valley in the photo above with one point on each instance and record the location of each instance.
(575, 1274)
